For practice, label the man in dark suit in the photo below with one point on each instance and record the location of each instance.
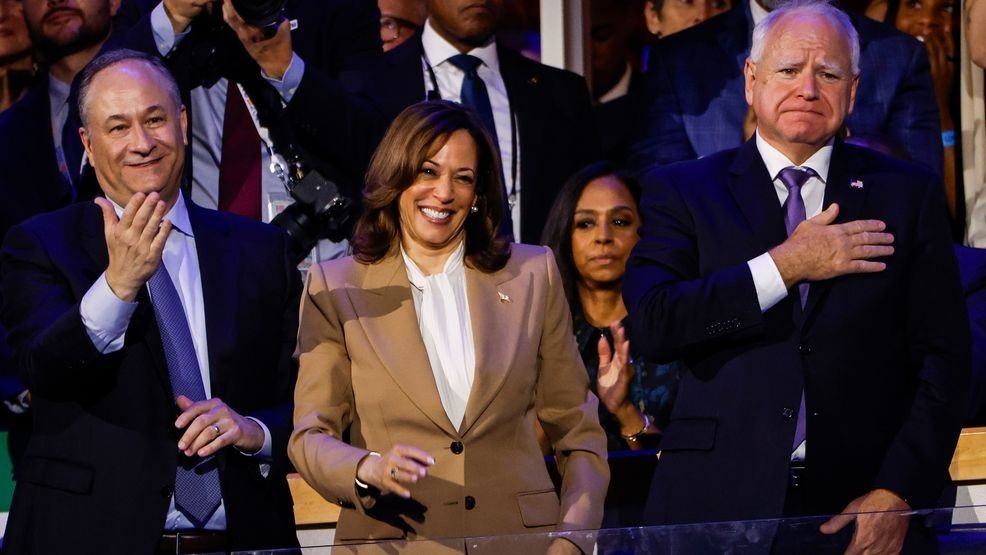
(541, 117)
(146, 329)
(828, 349)
(692, 105)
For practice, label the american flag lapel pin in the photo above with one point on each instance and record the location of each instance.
(504, 298)
(856, 183)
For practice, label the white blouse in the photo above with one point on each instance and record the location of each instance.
(446, 328)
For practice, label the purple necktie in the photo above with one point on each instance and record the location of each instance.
(197, 491)
(794, 213)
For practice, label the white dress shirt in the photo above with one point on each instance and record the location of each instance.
(442, 307)
(106, 318)
(767, 279)
(437, 52)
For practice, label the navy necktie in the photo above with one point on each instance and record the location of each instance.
(474, 94)
(197, 492)
(794, 213)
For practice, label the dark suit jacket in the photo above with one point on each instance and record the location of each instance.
(693, 105)
(100, 466)
(883, 358)
(553, 111)
(328, 117)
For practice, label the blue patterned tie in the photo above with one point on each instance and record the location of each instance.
(197, 492)
(794, 213)
(474, 94)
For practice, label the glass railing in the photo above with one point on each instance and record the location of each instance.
(929, 531)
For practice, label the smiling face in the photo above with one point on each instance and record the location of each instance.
(62, 27)
(134, 132)
(433, 210)
(920, 18)
(604, 230)
(802, 88)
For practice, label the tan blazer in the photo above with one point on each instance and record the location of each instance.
(363, 367)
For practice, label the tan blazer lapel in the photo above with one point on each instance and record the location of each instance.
(386, 312)
(499, 307)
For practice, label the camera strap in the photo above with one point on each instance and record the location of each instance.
(278, 165)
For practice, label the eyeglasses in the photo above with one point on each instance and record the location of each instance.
(391, 28)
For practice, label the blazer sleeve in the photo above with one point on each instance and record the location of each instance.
(673, 307)
(324, 403)
(568, 412)
(56, 358)
(659, 135)
(939, 349)
(912, 117)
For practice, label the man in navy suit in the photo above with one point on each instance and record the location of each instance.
(828, 348)
(692, 105)
(147, 328)
(542, 116)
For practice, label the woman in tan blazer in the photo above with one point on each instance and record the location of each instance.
(426, 357)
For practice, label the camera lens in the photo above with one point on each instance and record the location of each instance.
(260, 13)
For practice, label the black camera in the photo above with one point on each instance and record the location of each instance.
(266, 14)
(320, 211)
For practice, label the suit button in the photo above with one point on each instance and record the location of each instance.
(787, 412)
(456, 447)
(470, 502)
(805, 349)
(166, 491)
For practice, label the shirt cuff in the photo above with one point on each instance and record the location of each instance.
(165, 37)
(767, 280)
(266, 450)
(287, 85)
(105, 316)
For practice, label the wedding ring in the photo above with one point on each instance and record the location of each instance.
(393, 473)
(216, 428)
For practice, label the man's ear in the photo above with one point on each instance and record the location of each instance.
(652, 18)
(86, 143)
(184, 125)
(114, 7)
(749, 75)
(852, 93)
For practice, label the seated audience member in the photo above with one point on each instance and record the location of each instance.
(973, 108)
(539, 116)
(591, 229)
(667, 17)
(936, 24)
(694, 100)
(400, 20)
(294, 79)
(811, 288)
(434, 349)
(16, 61)
(147, 329)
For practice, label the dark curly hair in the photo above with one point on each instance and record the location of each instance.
(418, 132)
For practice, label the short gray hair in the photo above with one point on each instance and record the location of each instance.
(112, 58)
(820, 8)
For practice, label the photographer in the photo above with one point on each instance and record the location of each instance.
(269, 80)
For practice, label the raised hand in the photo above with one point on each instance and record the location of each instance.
(272, 54)
(134, 242)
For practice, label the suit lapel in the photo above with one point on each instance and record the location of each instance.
(752, 188)
(499, 304)
(845, 187)
(386, 311)
(524, 92)
(218, 273)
